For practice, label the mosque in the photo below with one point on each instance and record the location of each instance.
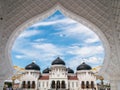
(58, 77)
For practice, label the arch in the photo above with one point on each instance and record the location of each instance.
(28, 84)
(53, 84)
(68, 13)
(58, 84)
(63, 84)
(23, 84)
(92, 84)
(33, 84)
(82, 84)
(87, 84)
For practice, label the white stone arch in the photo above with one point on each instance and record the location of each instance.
(68, 13)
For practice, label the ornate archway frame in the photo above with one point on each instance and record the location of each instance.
(69, 14)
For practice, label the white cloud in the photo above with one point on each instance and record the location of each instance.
(76, 30)
(40, 40)
(45, 51)
(93, 60)
(19, 56)
(37, 50)
(29, 33)
(74, 63)
(54, 22)
(70, 28)
(92, 39)
(47, 48)
(85, 51)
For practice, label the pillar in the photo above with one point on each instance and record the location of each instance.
(113, 85)
(118, 84)
(1, 85)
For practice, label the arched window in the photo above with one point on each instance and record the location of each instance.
(53, 84)
(63, 84)
(87, 84)
(33, 84)
(72, 84)
(23, 84)
(82, 85)
(28, 84)
(92, 84)
(58, 84)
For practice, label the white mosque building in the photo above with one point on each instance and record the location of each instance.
(58, 77)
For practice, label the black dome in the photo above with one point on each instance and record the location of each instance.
(84, 66)
(46, 70)
(32, 66)
(70, 70)
(58, 61)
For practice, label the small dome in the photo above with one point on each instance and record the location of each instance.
(70, 70)
(32, 66)
(46, 70)
(58, 61)
(84, 66)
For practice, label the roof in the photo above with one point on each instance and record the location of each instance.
(70, 70)
(84, 66)
(32, 66)
(44, 78)
(72, 78)
(58, 61)
(46, 71)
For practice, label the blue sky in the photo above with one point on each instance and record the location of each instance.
(56, 36)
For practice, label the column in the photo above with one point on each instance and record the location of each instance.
(1, 85)
(118, 84)
(113, 85)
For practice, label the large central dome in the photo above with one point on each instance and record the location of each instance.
(32, 66)
(84, 66)
(58, 61)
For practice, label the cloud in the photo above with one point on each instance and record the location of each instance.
(19, 56)
(54, 22)
(29, 33)
(74, 63)
(40, 40)
(35, 50)
(92, 39)
(94, 60)
(85, 51)
(47, 48)
(70, 28)
(77, 31)
(40, 50)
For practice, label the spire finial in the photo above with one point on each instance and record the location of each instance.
(83, 60)
(33, 61)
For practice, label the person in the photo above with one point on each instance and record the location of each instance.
(7, 88)
(10, 88)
